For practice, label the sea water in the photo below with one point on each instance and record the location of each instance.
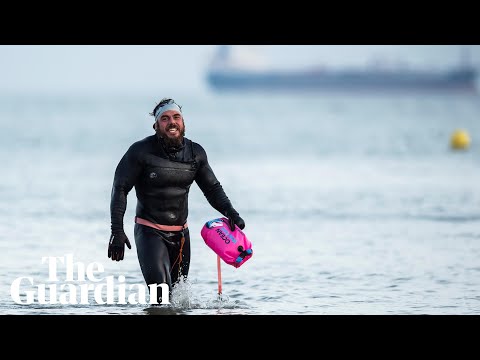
(354, 204)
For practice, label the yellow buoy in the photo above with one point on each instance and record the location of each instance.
(460, 140)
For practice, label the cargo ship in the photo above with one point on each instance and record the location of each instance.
(224, 75)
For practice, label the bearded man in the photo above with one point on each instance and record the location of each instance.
(162, 167)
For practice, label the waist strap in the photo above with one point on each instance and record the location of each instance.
(159, 226)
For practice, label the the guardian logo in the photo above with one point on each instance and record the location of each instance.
(80, 283)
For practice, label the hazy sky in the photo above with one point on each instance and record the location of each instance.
(146, 68)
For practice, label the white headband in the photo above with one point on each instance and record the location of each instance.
(166, 107)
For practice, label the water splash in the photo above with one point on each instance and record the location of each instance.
(185, 296)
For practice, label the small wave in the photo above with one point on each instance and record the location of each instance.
(185, 298)
(308, 214)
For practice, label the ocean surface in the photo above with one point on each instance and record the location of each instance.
(354, 204)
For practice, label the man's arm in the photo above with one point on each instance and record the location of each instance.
(213, 190)
(126, 174)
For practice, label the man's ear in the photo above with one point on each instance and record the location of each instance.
(155, 125)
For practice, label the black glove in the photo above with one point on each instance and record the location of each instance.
(116, 245)
(235, 219)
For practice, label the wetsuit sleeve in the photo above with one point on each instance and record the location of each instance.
(210, 186)
(126, 174)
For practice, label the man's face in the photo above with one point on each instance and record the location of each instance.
(171, 127)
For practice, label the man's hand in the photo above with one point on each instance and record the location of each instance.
(236, 220)
(116, 245)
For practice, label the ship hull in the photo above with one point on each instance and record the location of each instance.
(459, 80)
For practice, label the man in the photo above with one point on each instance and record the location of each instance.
(162, 167)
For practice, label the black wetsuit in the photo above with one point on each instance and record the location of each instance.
(162, 177)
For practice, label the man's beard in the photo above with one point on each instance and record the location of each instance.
(172, 142)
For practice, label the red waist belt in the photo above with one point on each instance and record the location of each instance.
(159, 226)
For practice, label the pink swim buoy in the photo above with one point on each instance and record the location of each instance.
(233, 247)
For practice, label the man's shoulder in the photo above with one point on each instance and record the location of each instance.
(143, 143)
(199, 152)
(197, 148)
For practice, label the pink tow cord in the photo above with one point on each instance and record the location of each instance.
(219, 276)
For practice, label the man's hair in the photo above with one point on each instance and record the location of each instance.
(162, 102)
